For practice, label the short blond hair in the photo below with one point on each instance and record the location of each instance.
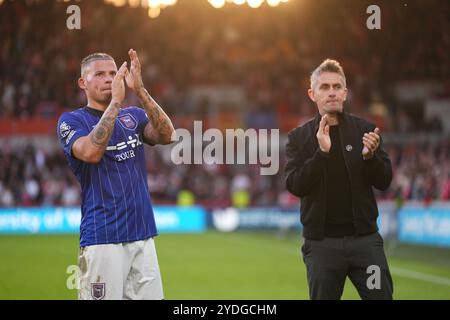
(93, 57)
(328, 65)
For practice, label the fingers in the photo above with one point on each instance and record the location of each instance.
(322, 123)
(134, 57)
(128, 79)
(375, 134)
(132, 53)
(371, 140)
(369, 145)
(118, 86)
(122, 70)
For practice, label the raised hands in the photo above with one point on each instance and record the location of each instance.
(133, 77)
(371, 141)
(117, 86)
(323, 135)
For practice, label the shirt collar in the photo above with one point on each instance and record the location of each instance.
(93, 111)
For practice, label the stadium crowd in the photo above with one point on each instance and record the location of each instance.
(192, 45)
(31, 177)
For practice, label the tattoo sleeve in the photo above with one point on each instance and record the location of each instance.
(160, 129)
(101, 134)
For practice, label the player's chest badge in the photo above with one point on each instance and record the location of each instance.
(349, 147)
(127, 121)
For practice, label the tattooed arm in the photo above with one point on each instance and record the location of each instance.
(91, 148)
(159, 129)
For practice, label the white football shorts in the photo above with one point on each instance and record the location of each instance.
(120, 271)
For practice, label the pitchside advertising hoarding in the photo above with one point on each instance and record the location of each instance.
(425, 225)
(67, 220)
(413, 223)
(231, 219)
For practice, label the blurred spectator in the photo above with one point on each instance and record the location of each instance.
(192, 45)
(268, 56)
(30, 177)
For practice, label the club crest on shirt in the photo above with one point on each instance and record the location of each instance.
(127, 121)
(98, 290)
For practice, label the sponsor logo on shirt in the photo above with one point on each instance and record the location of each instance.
(70, 136)
(64, 129)
(132, 141)
(66, 132)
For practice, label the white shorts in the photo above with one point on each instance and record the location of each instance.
(120, 271)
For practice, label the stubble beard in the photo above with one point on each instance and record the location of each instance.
(334, 110)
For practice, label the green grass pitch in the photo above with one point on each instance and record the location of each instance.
(212, 265)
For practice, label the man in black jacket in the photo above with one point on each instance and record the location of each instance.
(333, 161)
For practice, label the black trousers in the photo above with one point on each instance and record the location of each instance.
(329, 262)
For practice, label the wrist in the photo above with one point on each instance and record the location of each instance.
(115, 103)
(140, 90)
(368, 156)
(324, 153)
(323, 150)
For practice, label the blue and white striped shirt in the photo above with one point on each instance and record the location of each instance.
(116, 205)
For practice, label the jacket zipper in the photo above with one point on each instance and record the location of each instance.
(349, 176)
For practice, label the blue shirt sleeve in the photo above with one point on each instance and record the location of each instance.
(70, 128)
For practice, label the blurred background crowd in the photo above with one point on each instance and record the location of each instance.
(216, 65)
(32, 177)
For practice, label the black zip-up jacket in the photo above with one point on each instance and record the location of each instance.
(306, 174)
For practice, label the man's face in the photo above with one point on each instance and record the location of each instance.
(97, 78)
(329, 93)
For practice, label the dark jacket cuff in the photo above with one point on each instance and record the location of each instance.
(373, 162)
(323, 154)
